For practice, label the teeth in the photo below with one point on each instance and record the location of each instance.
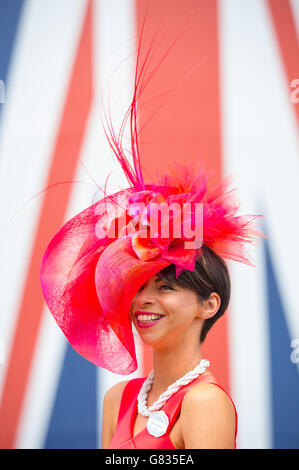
(147, 318)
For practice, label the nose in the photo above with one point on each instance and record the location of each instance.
(144, 296)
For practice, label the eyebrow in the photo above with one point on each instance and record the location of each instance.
(161, 279)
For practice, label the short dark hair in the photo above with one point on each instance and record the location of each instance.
(210, 275)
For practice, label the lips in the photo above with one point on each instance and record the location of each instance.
(147, 319)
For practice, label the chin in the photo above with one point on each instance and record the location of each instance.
(148, 337)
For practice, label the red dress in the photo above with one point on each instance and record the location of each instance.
(123, 436)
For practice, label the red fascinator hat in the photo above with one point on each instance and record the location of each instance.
(96, 263)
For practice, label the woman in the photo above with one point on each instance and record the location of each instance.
(115, 262)
(189, 305)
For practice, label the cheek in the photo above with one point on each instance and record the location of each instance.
(177, 307)
(132, 304)
(131, 312)
(182, 308)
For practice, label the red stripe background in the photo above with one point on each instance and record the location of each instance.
(188, 126)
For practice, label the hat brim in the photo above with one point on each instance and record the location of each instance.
(89, 283)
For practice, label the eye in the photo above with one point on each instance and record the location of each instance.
(166, 286)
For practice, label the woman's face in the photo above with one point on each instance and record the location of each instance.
(166, 314)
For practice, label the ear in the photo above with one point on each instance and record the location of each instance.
(210, 306)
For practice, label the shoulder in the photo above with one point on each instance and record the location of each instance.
(112, 399)
(207, 418)
(114, 393)
(111, 404)
(208, 395)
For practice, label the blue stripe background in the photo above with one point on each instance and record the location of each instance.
(73, 424)
(10, 14)
(284, 373)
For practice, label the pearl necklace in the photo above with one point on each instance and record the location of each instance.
(158, 420)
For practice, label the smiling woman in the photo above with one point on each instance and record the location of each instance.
(112, 266)
(170, 314)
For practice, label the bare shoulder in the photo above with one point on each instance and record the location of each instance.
(207, 418)
(111, 406)
(208, 394)
(114, 393)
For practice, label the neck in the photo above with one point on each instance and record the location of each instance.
(171, 365)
